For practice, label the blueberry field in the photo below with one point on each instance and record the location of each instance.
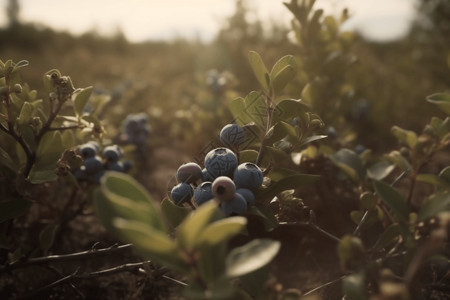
(280, 163)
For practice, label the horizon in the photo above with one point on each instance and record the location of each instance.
(201, 19)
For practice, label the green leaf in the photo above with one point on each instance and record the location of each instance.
(13, 208)
(397, 158)
(282, 78)
(255, 110)
(393, 199)
(287, 60)
(248, 156)
(251, 256)
(130, 200)
(281, 130)
(354, 287)
(407, 137)
(388, 237)
(81, 97)
(25, 113)
(237, 107)
(221, 231)
(287, 109)
(351, 253)
(287, 183)
(173, 213)
(260, 70)
(311, 139)
(192, 227)
(445, 174)
(441, 100)
(47, 236)
(350, 163)
(434, 180)
(266, 215)
(380, 170)
(6, 161)
(436, 204)
(150, 242)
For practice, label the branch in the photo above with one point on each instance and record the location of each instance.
(131, 267)
(65, 257)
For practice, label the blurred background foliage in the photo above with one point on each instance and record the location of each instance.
(360, 88)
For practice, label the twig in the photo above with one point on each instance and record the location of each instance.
(315, 227)
(323, 285)
(64, 257)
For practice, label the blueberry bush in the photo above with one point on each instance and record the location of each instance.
(258, 167)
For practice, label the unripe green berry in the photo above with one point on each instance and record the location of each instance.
(17, 88)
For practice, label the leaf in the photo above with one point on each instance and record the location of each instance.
(150, 242)
(388, 237)
(13, 208)
(445, 174)
(408, 137)
(281, 130)
(441, 100)
(354, 286)
(436, 204)
(248, 156)
(380, 170)
(311, 139)
(260, 70)
(434, 180)
(129, 199)
(251, 256)
(287, 60)
(237, 107)
(266, 215)
(282, 78)
(6, 161)
(25, 113)
(287, 109)
(221, 231)
(287, 183)
(47, 236)
(351, 253)
(255, 110)
(397, 158)
(173, 213)
(393, 199)
(350, 163)
(192, 227)
(81, 97)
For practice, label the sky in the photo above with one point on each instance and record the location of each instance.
(140, 20)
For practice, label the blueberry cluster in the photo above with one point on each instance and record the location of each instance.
(136, 129)
(222, 179)
(95, 164)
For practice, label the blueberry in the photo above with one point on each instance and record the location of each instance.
(115, 166)
(248, 195)
(203, 193)
(127, 165)
(221, 162)
(80, 173)
(360, 148)
(232, 135)
(88, 150)
(206, 176)
(331, 132)
(112, 153)
(237, 205)
(223, 188)
(181, 193)
(93, 164)
(189, 173)
(248, 175)
(98, 175)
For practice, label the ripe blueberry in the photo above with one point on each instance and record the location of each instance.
(223, 188)
(203, 193)
(221, 162)
(115, 166)
(181, 193)
(206, 176)
(237, 205)
(248, 195)
(112, 153)
(189, 173)
(93, 164)
(248, 175)
(88, 150)
(232, 135)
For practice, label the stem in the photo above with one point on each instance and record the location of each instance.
(323, 285)
(65, 257)
(269, 108)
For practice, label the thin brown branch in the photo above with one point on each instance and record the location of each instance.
(65, 257)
